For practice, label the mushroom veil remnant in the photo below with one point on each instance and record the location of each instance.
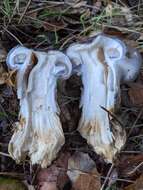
(104, 63)
(38, 133)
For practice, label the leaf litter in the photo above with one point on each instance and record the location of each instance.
(55, 24)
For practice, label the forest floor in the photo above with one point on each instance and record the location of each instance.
(46, 25)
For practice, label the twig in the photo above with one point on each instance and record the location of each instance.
(136, 168)
(28, 4)
(66, 41)
(134, 124)
(120, 28)
(137, 136)
(131, 152)
(107, 177)
(95, 175)
(112, 115)
(35, 174)
(5, 154)
(12, 35)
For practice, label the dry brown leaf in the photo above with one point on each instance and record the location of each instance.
(138, 185)
(88, 181)
(29, 187)
(2, 54)
(83, 173)
(7, 77)
(136, 94)
(130, 165)
(54, 176)
(3, 73)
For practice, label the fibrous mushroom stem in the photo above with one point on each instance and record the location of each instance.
(94, 124)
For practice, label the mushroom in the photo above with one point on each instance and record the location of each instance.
(39, 133)
(104, 63)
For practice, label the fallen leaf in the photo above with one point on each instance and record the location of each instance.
(137, 185)
(3, 73)
(83, 173)
(87, 181)
(7, 77)
(135, 93)
(54, 176)
(130, 165)
(2, 54)
(11, 78)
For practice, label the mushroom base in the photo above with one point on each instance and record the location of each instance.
(91, 131)
(47, 141)
(20, 143)
(40, 145)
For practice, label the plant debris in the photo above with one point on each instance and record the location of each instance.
(45, 25)
(83, 173)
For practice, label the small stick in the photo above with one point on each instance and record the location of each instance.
(28, 4)
(107, 177)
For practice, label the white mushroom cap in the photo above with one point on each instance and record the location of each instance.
(18, 57)
(115, 51)
(62, 65)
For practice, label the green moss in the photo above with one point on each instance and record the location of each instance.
(7, 183)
